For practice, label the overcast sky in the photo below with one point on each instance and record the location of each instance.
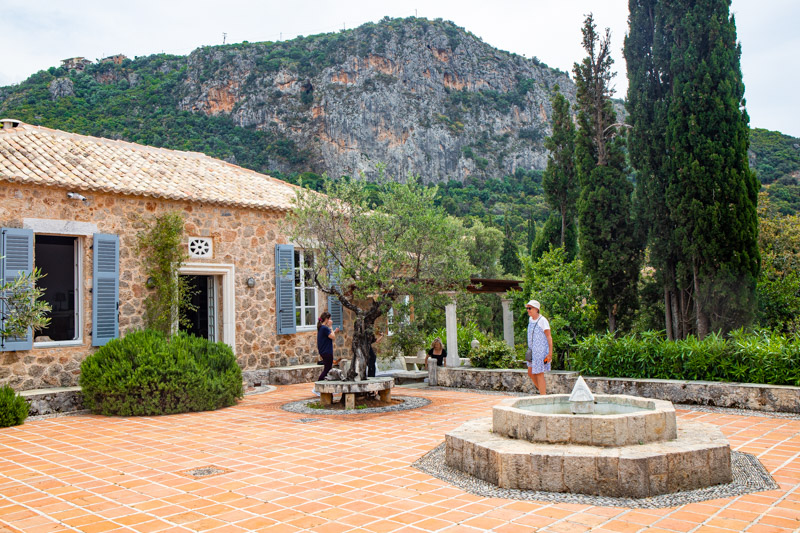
(38, 34)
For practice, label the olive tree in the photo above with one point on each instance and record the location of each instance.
(21, 306)
(374, 243)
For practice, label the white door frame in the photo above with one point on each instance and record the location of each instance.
(226, 272)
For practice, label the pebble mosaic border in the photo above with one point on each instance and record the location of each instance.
(749, 475)
(409, 402)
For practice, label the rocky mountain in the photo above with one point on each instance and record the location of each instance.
(424, 97)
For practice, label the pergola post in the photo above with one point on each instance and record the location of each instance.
(452, 331)
(508, 322)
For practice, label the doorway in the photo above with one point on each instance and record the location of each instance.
(201, 321)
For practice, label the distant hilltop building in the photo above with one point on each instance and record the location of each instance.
(116, 59)
(75, 63)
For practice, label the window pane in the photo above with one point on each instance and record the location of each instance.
(308, 260)
(309, 316)
(310, 301)
(55, 256)
(297, 295)
(309, 277)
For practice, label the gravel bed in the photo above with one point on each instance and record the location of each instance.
(409, 402)
(749, 476)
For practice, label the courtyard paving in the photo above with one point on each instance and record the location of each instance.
(281, 471)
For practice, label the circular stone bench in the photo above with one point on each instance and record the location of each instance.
(326, 389)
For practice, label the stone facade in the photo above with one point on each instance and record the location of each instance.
(243, 240)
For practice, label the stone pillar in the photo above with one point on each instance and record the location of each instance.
(433, 378)
(452, 331)
(508, 322)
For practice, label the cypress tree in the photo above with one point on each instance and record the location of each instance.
(712, 194)
(649, 91)
(608, 243)
(509, 257)
(559, 181)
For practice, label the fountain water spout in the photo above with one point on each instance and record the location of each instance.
(581, 401)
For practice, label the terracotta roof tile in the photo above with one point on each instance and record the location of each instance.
(34, 154)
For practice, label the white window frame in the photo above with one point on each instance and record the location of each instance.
(78, 281)
(298, 265)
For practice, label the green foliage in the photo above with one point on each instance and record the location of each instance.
(609, 247)
(162, 251)
(465, 333)
(564, 292)
(712, 193)
(761, 357)
(483, 245)
(406, 338)
(549, 236)
(13, 407)
(22, 305)
(495, 354)
(779, 280)
(145, 373)
(559, 180)
(774, 155)
(400, 245)
(509, 258)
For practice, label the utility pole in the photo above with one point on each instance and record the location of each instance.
(224, 35)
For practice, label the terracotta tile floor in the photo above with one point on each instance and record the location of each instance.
(334, 474)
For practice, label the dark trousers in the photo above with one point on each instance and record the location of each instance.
(327, 359)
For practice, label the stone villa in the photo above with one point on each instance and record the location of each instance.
(73, 205)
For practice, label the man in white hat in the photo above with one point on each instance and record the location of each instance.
(540, 346)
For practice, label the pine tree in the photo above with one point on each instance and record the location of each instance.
(712, 194)
(608, 244)
(559, 181)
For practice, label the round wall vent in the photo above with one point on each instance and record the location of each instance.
(200, 247)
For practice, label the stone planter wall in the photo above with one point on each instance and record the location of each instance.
(775, 398)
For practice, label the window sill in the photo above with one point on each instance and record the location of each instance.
(303, 329)
(58, 344)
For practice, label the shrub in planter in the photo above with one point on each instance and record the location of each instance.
(495, 354)
(13, 407)
(144, 373)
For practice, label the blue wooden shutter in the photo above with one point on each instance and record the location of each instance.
(16, 259)
(284, 289)
(105, 289)
(334, 305)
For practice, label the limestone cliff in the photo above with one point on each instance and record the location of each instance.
(424, 97)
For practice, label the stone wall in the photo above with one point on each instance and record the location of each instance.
(244, 238)
(775, 398)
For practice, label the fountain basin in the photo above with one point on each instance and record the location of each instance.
(698, 457)
(617, 421)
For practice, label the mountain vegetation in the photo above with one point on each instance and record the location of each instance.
(425, 97)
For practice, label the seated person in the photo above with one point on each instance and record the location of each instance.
(437, 352)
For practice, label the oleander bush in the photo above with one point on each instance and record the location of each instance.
(13, 407)
(144, 373)
(760, 357)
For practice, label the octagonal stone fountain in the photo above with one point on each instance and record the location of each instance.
(607, 445)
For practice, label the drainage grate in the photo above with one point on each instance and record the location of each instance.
(306, 420)
(205, 471)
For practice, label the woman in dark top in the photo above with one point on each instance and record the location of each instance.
(437, 351)
(325, 338)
